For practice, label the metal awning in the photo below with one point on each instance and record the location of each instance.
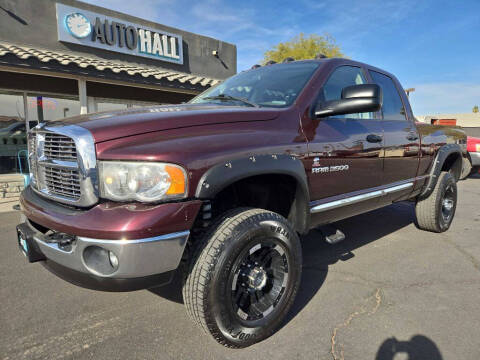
(43, 55)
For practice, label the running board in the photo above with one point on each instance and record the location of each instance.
(332, 235)
(358, 198)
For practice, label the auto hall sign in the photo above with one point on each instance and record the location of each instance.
(87, 28)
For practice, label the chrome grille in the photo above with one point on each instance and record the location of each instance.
(63, 164)
(32, 158)
(59, 147)
(63, 182)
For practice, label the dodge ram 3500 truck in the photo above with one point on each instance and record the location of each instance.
(222, 187)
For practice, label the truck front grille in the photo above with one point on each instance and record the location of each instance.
(59, 147)
(59, 169)
(62, 182)
(32, 150)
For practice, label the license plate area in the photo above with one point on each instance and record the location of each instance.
(22, 243)
(27, 244)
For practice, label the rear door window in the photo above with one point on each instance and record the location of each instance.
(392, 108)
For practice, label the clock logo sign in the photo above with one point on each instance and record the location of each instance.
(78, 25)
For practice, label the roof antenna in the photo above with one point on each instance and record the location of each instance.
(288, 59)
(256, 66)
(270, 62)
(321, 56)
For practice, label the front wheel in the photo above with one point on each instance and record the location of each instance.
(244, 276)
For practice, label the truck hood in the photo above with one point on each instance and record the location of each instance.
(111, 125)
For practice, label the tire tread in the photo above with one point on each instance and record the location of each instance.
(426, 209)
(205, 255)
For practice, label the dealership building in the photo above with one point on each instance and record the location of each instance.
(64, 58)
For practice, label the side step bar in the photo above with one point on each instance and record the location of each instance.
(332, 235)
(358, 198)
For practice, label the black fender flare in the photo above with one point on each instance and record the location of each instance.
(226, 173)
(443, 153)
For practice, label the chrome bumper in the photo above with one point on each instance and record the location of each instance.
(136, 258)
(475, 156)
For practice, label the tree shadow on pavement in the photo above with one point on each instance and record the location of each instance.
(359, 230)
(419, 347)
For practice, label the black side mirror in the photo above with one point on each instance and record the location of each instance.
(355, 99)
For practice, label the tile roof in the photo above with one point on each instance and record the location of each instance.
(25, 52)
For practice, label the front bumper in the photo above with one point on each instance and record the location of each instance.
(475, 157)
(136, 258)
(86, 262)
(62, 236)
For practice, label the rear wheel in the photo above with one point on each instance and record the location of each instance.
(244, 276)
(435, 213)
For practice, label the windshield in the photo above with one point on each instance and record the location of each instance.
(269, 86)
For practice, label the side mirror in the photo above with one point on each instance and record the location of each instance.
(355, 99)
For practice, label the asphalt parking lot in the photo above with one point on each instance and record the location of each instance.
(388, 289)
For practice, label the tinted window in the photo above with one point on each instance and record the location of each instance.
(342, 77)
(392, 103)
(272, 86)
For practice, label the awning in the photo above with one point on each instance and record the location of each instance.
(25, 52)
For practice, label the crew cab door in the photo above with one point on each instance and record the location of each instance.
(401, 140)
(343, 153)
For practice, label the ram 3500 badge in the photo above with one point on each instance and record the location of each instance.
(221, 188)
(317, 168)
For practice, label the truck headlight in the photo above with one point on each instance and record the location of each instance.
(141, 181)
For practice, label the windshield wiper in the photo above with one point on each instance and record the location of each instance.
(224, 97)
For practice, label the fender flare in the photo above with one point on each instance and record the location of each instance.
(226, 173)
(443, 153)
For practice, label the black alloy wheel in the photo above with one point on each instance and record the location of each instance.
(243, 276)
(258, 280)
(448, 203)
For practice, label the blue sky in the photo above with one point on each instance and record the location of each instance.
(432, 45)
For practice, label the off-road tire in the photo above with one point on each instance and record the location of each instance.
(429, 210)
(207, 292)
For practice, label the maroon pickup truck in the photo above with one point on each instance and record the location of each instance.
(221, 188)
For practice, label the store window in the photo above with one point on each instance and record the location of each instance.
(140, 104)
(44, 108)
(119, 104)
(13, 135)
(110, 104)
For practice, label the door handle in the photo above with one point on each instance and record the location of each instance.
(372, 138)
(412, 136)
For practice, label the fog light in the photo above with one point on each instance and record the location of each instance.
(113, 259)
(100, 261)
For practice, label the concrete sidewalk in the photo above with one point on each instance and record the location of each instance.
(10, 187)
